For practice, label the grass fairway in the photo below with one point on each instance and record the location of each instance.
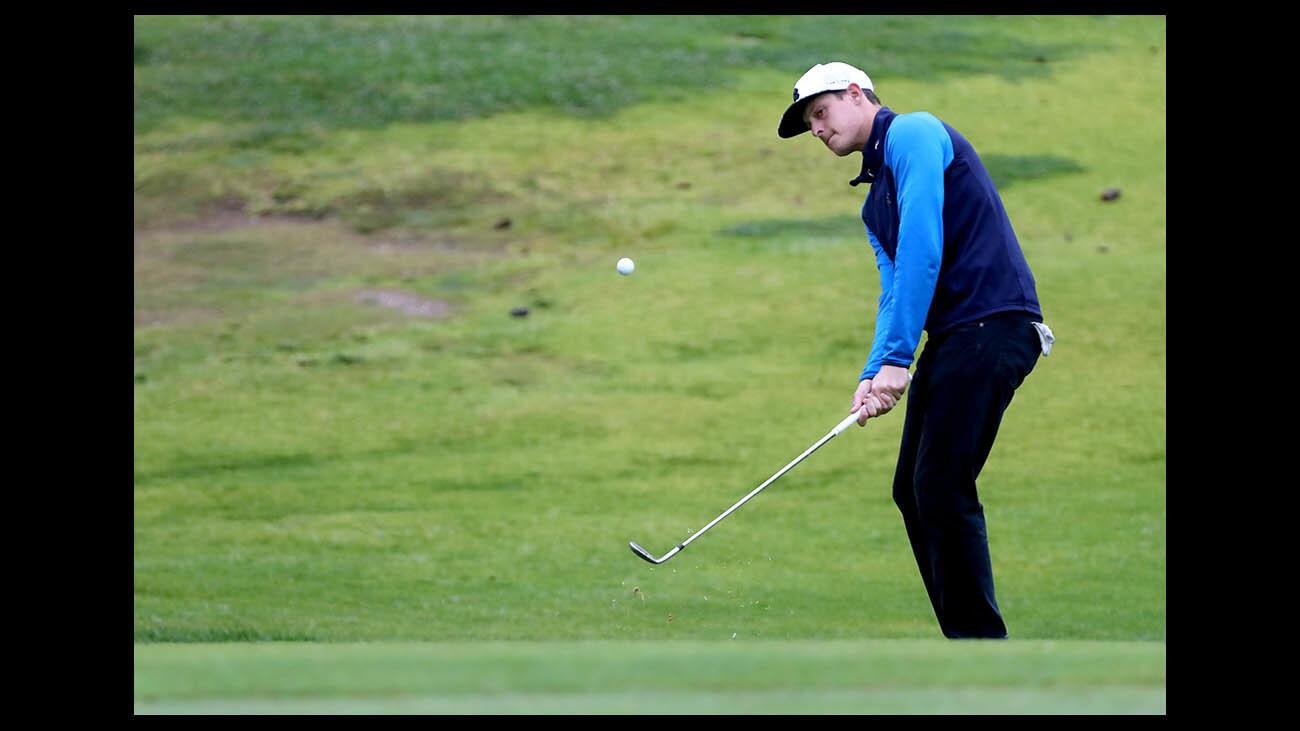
(809, 677)
(343, 436)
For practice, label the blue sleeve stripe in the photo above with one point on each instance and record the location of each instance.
(884, 309)
(918, 150)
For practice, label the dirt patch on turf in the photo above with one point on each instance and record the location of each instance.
(176, 316)
(406, 302)
(199, 271)
(230, 214)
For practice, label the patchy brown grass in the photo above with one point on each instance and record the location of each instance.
(224, 262)
(406, 302)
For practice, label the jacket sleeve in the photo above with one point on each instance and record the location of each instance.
(884, 309)
(918, 150)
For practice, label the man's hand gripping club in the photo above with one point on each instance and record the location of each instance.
(878, 396)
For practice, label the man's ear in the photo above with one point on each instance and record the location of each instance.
(855, 93)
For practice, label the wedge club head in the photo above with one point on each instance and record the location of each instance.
(844, 424)
(638, 550)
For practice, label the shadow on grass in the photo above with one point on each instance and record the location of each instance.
(1008, 170)
(1005, 170)
(190, 468)
(163, 633)
(200, 468)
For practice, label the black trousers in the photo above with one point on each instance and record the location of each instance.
(963, 383)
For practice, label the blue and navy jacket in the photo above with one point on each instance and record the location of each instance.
(944, 245)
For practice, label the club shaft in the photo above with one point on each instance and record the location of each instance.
(759, 489)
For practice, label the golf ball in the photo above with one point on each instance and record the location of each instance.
(625, 266)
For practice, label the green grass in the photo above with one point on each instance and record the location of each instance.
(372, 71)
(924, 676)
(311, 467)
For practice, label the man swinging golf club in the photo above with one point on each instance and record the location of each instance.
(950, 264)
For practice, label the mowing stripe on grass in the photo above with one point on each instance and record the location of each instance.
(1072, 701)
(604, 673)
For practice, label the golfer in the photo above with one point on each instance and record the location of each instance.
(949, 264)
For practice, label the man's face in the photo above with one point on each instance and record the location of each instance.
(841, 123)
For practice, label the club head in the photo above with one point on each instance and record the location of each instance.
(638, 550)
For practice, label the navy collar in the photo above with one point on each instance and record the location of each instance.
(873, 153)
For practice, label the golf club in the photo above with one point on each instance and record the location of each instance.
(848, 421)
